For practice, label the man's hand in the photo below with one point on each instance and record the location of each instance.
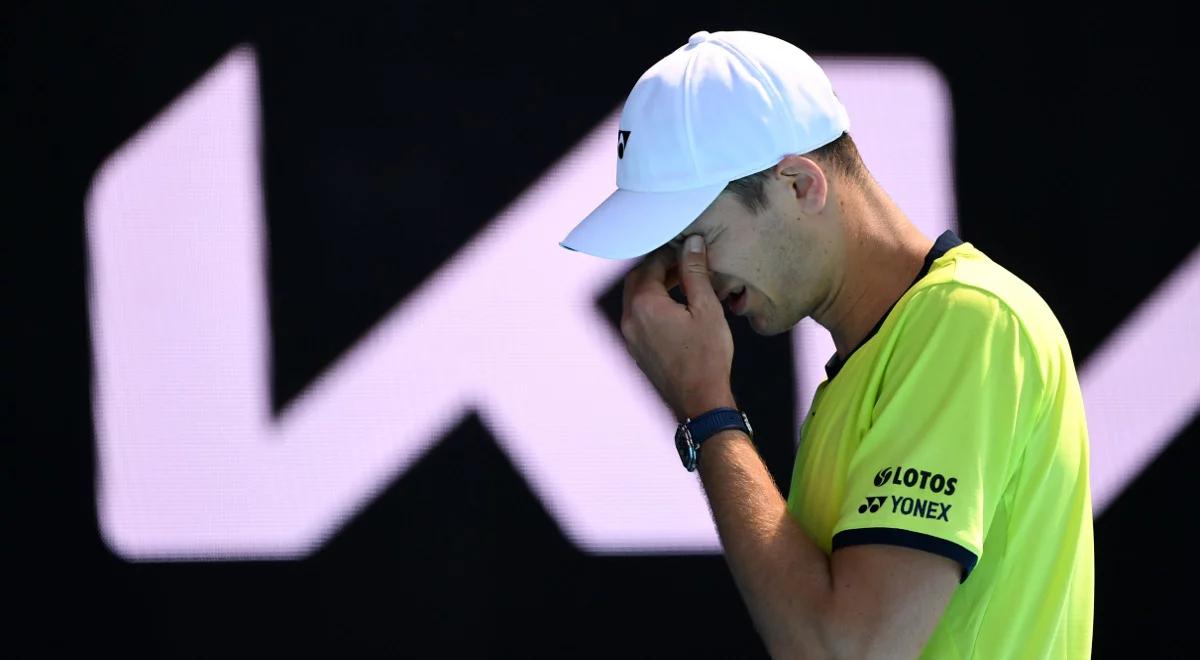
(685, 351)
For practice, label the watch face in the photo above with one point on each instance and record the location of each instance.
(683, 444)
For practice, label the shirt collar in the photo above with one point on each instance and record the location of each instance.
(944, 243)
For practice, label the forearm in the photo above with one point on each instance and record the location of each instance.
(784, 578)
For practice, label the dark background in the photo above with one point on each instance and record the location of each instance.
(392, 132)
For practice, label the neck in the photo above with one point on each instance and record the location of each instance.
(882, 253)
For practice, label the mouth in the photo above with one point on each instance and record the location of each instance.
(735, 300)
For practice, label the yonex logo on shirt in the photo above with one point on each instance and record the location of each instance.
(622, 140)
(918, 508)
(873, 504)
(908, 506)
(914, 477)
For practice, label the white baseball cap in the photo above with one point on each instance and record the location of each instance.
(721, 107)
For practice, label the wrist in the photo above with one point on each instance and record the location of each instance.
(701, 405)
(721, 443)
(721, 422)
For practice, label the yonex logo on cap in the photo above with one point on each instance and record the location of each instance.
(622, 139)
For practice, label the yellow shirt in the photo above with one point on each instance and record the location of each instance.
(958, 428)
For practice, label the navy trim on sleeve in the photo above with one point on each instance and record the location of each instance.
(908, 539)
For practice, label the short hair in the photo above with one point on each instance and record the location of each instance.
(841, 154)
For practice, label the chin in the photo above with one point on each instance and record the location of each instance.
(764, 327)
(769, 326)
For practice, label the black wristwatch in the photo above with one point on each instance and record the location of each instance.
(693, 432)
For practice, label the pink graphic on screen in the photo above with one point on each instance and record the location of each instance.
(192, 464)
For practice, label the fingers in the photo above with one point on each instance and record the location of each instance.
(693, 273)
(672, 279)
(653, 275)
(670, 257)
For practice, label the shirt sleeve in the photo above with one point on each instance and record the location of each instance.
(943, 438)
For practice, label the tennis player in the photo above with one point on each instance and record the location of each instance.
(939, 505)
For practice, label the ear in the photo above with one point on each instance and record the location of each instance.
(806, 181)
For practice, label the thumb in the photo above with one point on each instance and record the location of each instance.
(693, 273)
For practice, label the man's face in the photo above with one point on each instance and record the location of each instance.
(777, 259)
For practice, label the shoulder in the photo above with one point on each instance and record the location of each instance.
(968, 303)
(966, 285)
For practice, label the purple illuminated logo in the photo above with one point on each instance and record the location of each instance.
(191, 461)
(192, 464)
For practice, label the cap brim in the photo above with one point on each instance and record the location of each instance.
(630, 224)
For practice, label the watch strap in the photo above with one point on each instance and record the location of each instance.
(712, 422)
